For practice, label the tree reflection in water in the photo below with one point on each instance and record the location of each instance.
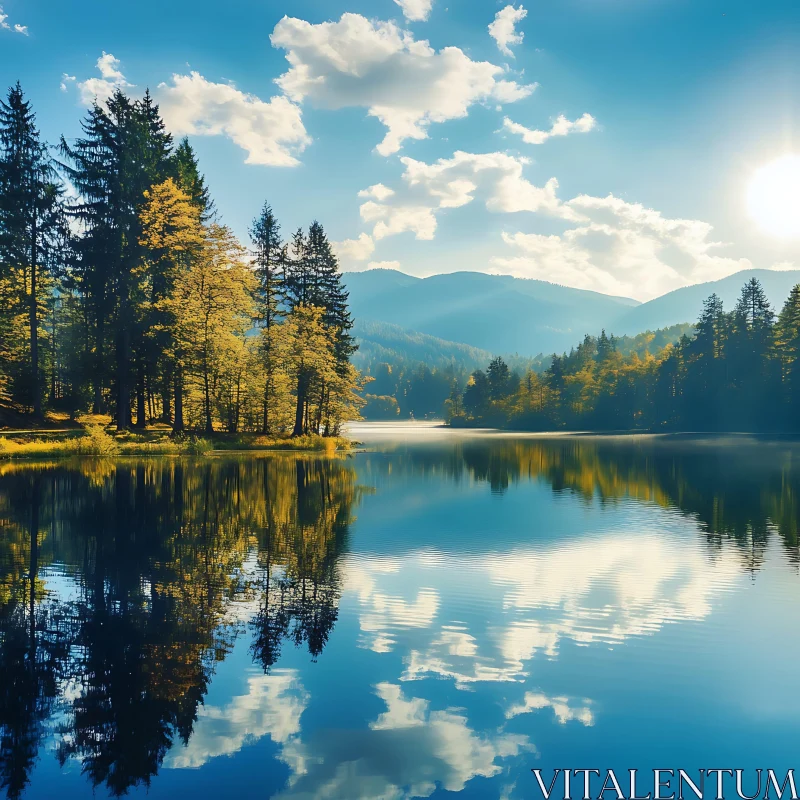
(163, 564)
(162, 554)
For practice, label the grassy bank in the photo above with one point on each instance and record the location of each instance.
(97, 439)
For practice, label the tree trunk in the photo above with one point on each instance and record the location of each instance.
(266, 407)
(97, 403)
(54, 366)
(177, 423)
(166, 412)
(36, 387)
(238, 407)
(318, 415)
(300, 406)
(123, 374)
(207, 393)
(141, 410)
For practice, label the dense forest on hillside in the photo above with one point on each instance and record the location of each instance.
(418, 376)
(739, 371)
(414, 373)
(121, 292)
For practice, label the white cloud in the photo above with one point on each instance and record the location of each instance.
(626, 587)
(385, 613)
(371, 64)
(271, 707)
(621, 248)
(351, 250)
(109, 67)
(65, 79)
(504, 28)
(390, 220)
(5, 25)
(272, 133)
(383, 265)
(415, 10)
(613, 246)
(430, 750)
(378, 192)
(561, 127)
(451, 183)
(101, 89)
(563, 708)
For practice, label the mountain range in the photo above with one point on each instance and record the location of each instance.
(502, 314)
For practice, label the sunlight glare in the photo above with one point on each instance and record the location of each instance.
(773, 199)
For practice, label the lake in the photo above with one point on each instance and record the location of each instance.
(432, 617)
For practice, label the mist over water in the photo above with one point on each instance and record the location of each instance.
(437, 614)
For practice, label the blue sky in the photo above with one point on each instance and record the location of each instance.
(310, 104)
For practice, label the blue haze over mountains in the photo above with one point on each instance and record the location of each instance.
(502, 314)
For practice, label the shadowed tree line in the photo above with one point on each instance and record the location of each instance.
(160, 554)
(739, 371)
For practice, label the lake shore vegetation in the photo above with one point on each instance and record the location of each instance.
(739, 371)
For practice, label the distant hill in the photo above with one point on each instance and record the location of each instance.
(684, 305)
(381, 342)
(495, 313)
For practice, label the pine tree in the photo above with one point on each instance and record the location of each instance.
(186, 173)
(269, 258)
(788, 346)
(90, 166)
(297, 279)
(753, 369)
(605, 347)
(31, 223)
(707, 356)
(499, 377)
(124, 151)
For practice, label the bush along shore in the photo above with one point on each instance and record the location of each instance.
(98, 439)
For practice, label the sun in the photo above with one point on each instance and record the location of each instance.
(773, 199)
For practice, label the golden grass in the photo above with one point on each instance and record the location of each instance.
(96, 440)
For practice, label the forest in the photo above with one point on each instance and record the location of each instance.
(416, 376)
(123, 294)
(738, 371)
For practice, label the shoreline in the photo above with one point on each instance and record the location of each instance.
(368, 432)
(95, 440)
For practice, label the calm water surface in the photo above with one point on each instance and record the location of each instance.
(431, 618)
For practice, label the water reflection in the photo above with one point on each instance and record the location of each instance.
(162, 559)
(738, 489)
(125, 587)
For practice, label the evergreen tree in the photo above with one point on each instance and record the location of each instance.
(499, 377)
(297, 278)
(31, 225)
(753, 369)
(707, 355)
(788, 347)
(269, 259)
(188, 177)
(605, 347)
(124, 151)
